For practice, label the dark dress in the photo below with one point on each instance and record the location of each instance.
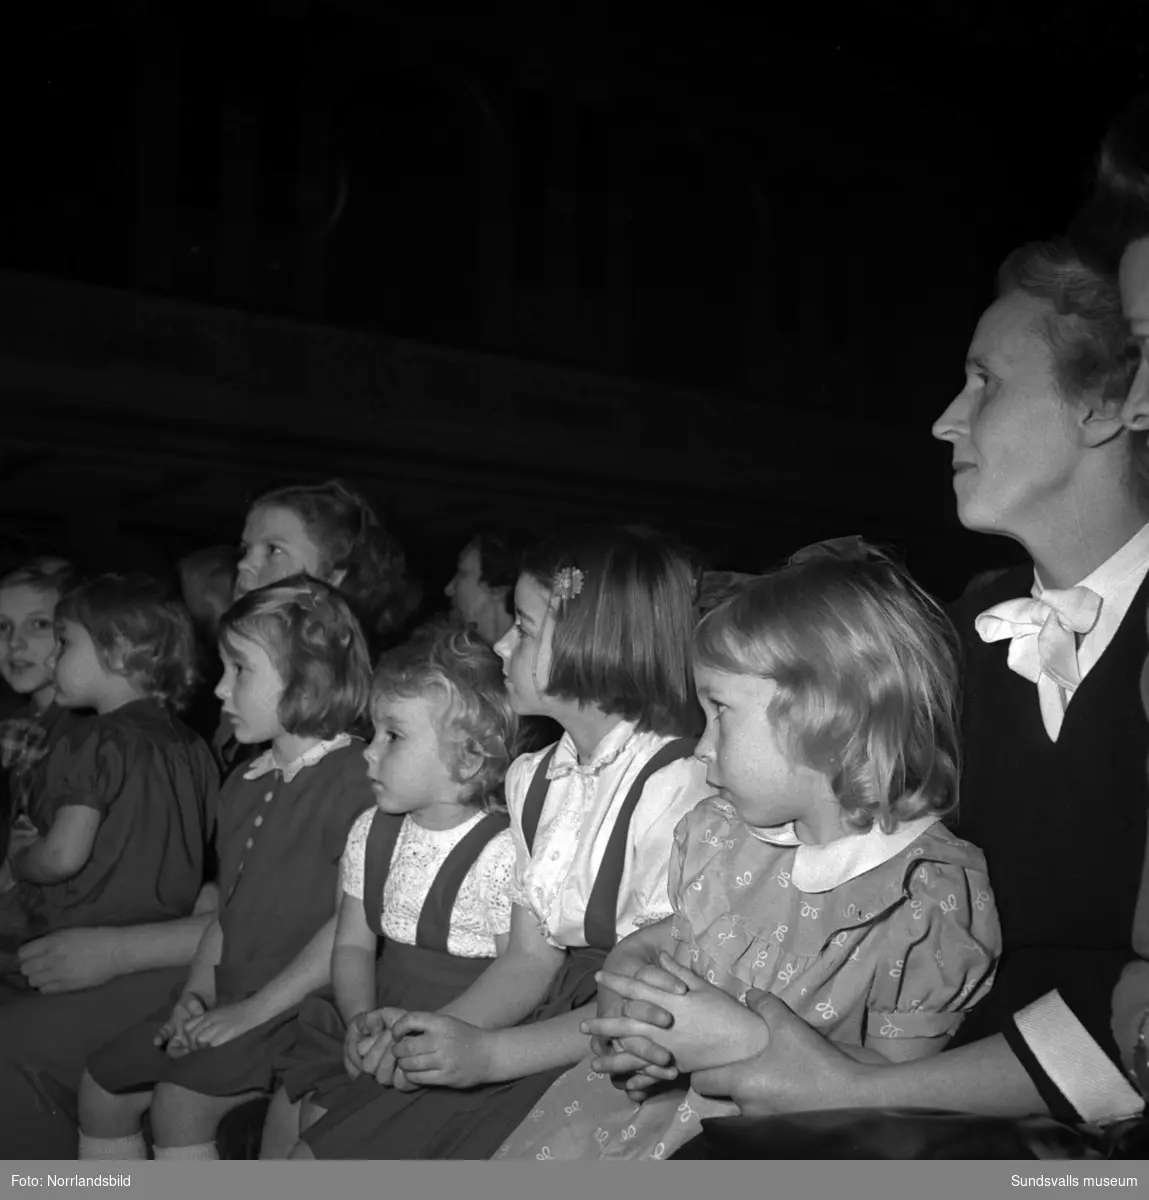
(280, 844)
(154, 785)
(366, 1121)
(421, 977)
(1057, 822)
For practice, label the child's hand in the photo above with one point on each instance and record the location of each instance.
(363, 1031)
(432, 1049)
(22, 835)
(221, 1025)
(622, 1058)
(710, 1028)
(172, 1035)
(378, 1051)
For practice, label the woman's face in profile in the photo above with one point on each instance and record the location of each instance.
(1011, 432)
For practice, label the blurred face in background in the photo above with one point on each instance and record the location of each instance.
(275, 544)
(482, 607)
(28, 641)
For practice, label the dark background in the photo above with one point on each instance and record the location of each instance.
(677, 262)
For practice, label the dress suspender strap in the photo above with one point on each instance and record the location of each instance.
(601, 919)
(536, 797)
(435, 916)
(377, 865)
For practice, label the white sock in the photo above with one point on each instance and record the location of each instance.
(205, 1151)
(122, 1149)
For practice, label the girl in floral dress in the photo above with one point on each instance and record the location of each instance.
(820, 871)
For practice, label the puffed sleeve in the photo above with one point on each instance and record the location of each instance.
(495, 871)
(669, 795)
(351, 865)
(939, 952)
(87, 767)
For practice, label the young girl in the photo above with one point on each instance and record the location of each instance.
(122, 810)
(600, 643)
(28, 599)
(425, 875)
(820, 870)
(331, 533)
(296, 674)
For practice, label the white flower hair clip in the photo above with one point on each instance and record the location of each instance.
(568, 583)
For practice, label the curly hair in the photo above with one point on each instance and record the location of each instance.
(355, 547)
(478, 730)
(623, 640)
(140, 630)
(315, 644)
(866, 669)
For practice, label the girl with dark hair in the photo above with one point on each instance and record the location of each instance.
(296, 674)
(121, 816)
(332, 533)
(601, 645)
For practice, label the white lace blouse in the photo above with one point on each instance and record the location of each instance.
(576, 823)
(483, 906)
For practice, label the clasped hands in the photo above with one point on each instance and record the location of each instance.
(196, 1025)
(664, 1021)
(408, 1050)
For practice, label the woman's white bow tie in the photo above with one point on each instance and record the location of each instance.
(1043, 629)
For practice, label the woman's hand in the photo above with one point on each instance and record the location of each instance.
(71, 959)
(710, 1028)
(221, 1025)
(432, 1049)
(797, 1069)
(172, 1035)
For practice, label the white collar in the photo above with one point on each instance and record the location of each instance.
(266, 761)
(1119, 567)
(565, 760)
(823, 868)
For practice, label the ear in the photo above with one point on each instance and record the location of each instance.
(469, 762)
(1100, 425)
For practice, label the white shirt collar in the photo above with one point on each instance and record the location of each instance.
(266, 761)
(607, 751)
(1118, 570)
(823, 868)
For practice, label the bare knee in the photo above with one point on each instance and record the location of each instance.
(280, 1127)
(181, 1117)
(300, 1152)
(105, 1114)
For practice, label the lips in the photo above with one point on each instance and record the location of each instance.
(961, 467)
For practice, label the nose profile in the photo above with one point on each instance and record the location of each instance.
(948, 426)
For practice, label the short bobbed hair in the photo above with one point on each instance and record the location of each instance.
(1094, 362)
(476, 723)
(140, 630)
(866, 670)
(623, 642)
(351, 539)
(316, 645)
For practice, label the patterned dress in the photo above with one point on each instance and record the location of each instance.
(874, 939)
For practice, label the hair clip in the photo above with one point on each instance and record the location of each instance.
(844, 549)
(306, 598)
(568, 583)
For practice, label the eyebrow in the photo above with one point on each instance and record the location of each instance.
(976, 360)
(523, 616)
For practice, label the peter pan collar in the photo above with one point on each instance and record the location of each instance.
(565, 761)
(266, 763)
(823, 868)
